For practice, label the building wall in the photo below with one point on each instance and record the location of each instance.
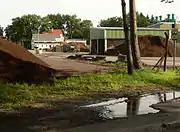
(97, 33)
(169, 26)
(44, 45)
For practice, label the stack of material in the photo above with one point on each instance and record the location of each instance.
(80, 46)
(150, 46)
(18, 65)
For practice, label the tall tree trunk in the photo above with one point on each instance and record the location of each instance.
(126, 32)
(134, 38)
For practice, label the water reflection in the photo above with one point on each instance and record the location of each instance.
(132, 106)
(163, 97)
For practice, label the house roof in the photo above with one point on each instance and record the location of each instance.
(54, 31)
(46, 37)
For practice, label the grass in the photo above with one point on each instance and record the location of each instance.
(16, 95)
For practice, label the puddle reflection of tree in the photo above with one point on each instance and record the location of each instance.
(163, 98)
(133, 106)
(133, 103)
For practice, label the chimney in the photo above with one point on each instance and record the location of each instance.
(156, 19)
(173, 18)
(160, 18)
(168, 17)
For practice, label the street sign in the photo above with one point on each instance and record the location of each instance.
(174, 35)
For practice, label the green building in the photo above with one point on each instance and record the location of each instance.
(103, 38)
(166, 25)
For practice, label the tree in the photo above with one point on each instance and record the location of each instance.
(152, 19)
(85, 29)
(22, 28)
(73, 26)
(1, 31)
(126, 32)
(77, 28)
(133, 35)
(147, 17)
(142, 21)
(112, 22)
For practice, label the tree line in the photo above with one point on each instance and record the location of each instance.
(142, 21)
(22, 28)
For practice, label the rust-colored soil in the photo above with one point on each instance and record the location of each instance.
(18, 65)
(150, 46)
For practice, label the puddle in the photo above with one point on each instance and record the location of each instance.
(125, 107)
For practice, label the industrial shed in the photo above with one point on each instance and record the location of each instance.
(103, 38)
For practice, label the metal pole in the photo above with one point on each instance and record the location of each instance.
(38, 37)
(174, 55)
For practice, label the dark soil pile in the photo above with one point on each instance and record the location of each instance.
(19, 65)
(150, 46)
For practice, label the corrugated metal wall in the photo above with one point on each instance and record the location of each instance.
(119, 33)
(96, 33)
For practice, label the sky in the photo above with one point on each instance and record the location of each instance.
(94, 10)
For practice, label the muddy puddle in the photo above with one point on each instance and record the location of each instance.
(131, 106)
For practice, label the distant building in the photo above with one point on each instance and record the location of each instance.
(165, 25)
(47, 40)
(104, 38)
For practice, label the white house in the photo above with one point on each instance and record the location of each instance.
(47, 40)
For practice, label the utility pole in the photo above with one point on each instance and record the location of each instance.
(133, 35)
(174, 42)
(126, 32)
(174, 32)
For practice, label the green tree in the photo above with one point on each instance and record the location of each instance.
(152, 19)
(85, 29)
(142, 21)
(1, 31)
(111, 22)
(22, 28)
(55, 20)
(73, 27)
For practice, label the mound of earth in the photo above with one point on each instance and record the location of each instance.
(150, 46)
(18, 65)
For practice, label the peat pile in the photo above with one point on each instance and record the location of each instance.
(18, 65)
(150, 46)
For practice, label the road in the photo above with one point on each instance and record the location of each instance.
(72, 66)
(147, 60)
(150, 60)
(57, 60)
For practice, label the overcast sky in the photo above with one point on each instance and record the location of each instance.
(94, 10)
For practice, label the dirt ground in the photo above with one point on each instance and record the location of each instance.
(69, 117)
(72, 66)
(143, 123)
